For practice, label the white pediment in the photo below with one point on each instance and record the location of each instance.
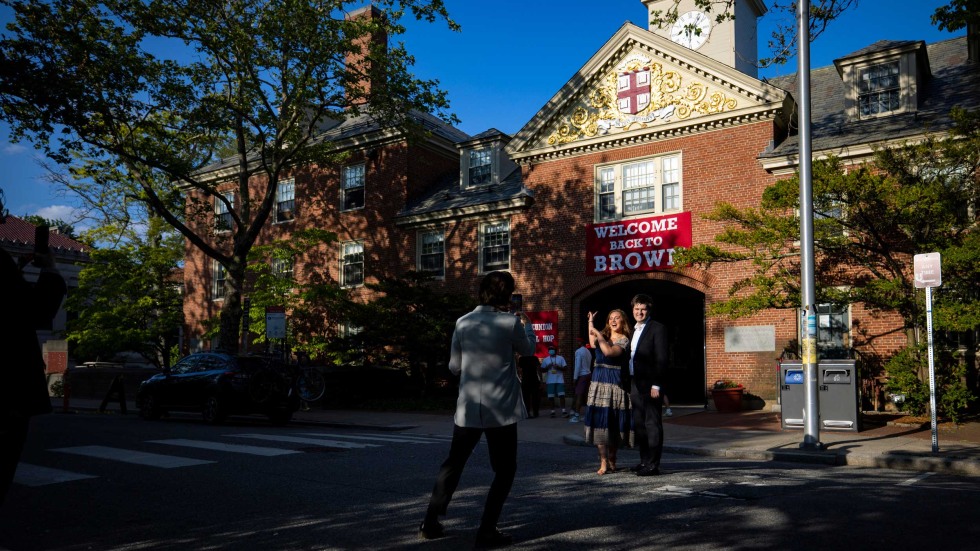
(640, 86)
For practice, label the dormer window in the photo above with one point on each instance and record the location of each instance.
(879, 89)
(480, 166)
(884, 79)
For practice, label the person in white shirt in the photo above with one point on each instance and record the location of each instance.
(582, 377)
(554, 367)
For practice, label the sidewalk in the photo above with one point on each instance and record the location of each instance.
(694, 431)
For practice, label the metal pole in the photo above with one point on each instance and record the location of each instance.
(811, 432)
(932, 372)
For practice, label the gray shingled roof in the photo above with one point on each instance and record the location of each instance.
(448, 195)
(954, 82)
(365, 124)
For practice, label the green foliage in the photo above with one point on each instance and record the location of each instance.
(409, 325)
(908, 376)
(64, 228)
(128, 298)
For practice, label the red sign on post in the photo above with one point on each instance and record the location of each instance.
(928, 270)
(637, 245)
(545, 326)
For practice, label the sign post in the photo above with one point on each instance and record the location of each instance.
(928, 274)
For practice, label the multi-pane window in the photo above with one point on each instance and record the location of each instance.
(639, 187)
(879, 89)
(432, 253)
(352, 264)
(218, 277)
(672, 183)
(649, 186)
(607, 193)
(222, 212)
(286, 200)
(352, 187)
(833, 331)
(495, 246)
(281, 267)
(480, 166)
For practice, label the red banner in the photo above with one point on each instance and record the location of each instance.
(637, 245)
(545, 330)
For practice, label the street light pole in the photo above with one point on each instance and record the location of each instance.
(808, 329)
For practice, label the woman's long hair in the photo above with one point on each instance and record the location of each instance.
(626, 329)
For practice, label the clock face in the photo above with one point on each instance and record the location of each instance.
(691, 29)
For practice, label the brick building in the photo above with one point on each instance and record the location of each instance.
(586, 202)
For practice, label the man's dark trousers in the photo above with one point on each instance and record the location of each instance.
(502, 448)
(649, 426)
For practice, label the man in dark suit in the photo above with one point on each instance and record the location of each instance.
(648, 364)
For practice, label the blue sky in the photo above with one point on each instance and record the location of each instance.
(512, 56)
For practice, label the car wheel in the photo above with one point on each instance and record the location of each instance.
(149, 408)
(280, 416)
(213, 410)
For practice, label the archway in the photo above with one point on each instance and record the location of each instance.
(681, 310)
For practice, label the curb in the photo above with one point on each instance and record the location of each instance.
(892, 460)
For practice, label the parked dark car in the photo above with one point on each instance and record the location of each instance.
(219, 385)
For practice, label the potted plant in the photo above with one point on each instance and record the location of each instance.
(727, 395)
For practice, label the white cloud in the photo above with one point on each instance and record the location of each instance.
(14, 149)
(57, 212)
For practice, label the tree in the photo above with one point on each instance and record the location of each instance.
(128, 297)
(64, 228)
(869, 222)
(407, 325)
(155, 90)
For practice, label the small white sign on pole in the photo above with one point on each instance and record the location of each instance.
(927, 269)
(928, 274)
(275, 322)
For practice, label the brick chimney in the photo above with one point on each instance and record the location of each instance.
(359, 60)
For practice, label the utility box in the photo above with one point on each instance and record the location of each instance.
(837, 395)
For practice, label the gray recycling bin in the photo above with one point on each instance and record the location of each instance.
(837, 394)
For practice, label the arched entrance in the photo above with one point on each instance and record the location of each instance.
(678, 307)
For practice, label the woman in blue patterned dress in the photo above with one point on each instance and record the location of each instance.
(608, 417)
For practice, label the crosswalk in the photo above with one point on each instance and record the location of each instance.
(296, 443)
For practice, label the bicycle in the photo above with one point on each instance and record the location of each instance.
(310, 384)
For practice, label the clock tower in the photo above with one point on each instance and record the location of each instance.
(733, 42)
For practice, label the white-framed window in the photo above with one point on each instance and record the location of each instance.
(833, 331)
(222, 212)
(352, 187)
(348, 329)
(480, 168)
(218, 276)
(432, 252)
(352, 264)
(286, 200)
(281, 267)
(644, 186)
(879, 89)
(494, 246)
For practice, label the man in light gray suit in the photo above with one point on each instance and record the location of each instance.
(484, 345)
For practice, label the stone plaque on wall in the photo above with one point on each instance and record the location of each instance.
(752, 338)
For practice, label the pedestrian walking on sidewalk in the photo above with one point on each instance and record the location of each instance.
(484, 345)
(608, 419)
(554, 367)
(581, 377)
(24, 308)
(648, 365)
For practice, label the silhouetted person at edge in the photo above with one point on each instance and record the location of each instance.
(24, 308)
